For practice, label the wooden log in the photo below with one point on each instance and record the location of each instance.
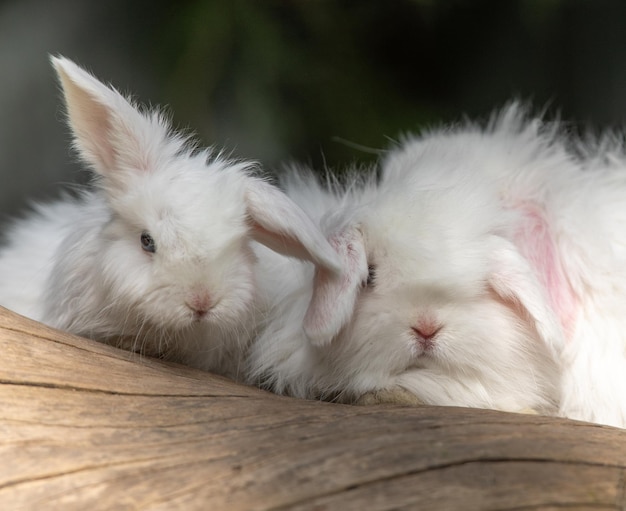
(86, 426)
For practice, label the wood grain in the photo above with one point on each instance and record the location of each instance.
(86, 426)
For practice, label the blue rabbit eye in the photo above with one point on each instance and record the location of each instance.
(147, 242)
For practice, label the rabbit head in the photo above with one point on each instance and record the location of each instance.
(435, 296)
(164, 243)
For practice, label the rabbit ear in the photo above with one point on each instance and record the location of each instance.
(335, 296)
(512, 278)
(536, 242)
(110, 134)
(278, 223)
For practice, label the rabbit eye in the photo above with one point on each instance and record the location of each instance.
(371, 275)
(147, 242)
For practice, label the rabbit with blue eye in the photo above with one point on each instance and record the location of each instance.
(158, 255)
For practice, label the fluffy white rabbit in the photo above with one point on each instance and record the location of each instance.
(486, 268)
(157, 256)
(569, 199)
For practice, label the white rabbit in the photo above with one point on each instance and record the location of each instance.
(497, 277)
(435, 298)
(157, 256)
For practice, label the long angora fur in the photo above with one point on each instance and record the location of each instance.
(485, 268)
(157, 255)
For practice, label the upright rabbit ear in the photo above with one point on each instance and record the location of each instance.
(110, 134)
(512, 278)
(278, 223)
(335, 296)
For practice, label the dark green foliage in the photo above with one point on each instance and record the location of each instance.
(331, 82)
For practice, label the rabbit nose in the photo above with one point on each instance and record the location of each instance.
(425, 333)
(200, 304)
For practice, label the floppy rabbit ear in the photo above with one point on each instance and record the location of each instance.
(513, 279)
(536, 243)
(109, 133)
(281, 225)
(335, 296)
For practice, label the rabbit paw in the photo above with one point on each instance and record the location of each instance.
(528, 411)
(393, 396)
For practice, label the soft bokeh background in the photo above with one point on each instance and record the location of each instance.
(321, 82)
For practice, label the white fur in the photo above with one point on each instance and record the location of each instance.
(433, 254)
(509, 237)
(78, 264)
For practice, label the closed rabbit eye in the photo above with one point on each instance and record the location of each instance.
(371, 275)
(147, 242)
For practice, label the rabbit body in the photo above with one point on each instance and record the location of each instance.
(157, 255)
(24, 261)
(570, 203)
(486, 267)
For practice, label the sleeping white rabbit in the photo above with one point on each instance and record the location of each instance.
(570, 204)
(157, 256)
(486, 268)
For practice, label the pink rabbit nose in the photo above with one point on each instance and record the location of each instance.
(425, 333)
(200, 304)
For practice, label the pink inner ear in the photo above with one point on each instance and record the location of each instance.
(282, 243)
(334, 297)
(535, 241)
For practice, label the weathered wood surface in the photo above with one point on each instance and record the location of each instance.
(84, 426)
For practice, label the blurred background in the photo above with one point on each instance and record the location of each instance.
(316, 81)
